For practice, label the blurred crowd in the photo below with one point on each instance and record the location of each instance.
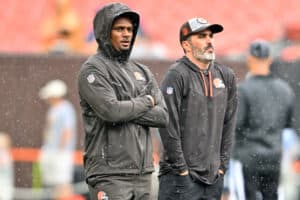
(62, 32)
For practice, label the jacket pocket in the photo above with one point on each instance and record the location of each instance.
(148, 155)
(90, 121)
(122, 148)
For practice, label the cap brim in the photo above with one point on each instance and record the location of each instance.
(214, 28)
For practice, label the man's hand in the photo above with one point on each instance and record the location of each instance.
(184, 173)
(151, 99)
(221, 172)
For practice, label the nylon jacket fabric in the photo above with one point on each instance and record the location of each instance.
(265, 109)
(200, 132)
(116, 113)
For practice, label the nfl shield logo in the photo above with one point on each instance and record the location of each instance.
(170, 90)
(91, 78)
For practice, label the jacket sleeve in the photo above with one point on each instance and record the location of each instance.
(158, 115)
(229, 123)
(172, 89)
(290, 122)
(98, 92)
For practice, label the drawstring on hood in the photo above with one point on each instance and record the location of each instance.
(204, 83)
(103, 23)
(208, 90)
(209, 82)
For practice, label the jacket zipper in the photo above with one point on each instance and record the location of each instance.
(128, 77)
(141, 145)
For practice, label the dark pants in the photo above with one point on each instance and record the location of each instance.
(175, 187)
(135, 187)
(263, 182)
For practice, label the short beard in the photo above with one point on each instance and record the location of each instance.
(203, 56)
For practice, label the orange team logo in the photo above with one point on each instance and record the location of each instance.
(102, 196)
(218, 83)
(185, 31)
(139, 76)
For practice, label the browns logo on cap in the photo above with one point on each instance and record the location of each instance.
(196, 25)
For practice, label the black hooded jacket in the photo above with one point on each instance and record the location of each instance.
(202, 113)
(116, 112)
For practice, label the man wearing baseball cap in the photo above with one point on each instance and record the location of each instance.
(265, 108)
(56, 157)
(201, 98)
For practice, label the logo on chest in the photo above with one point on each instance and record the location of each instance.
(218, 83)
(170, 90)
(91, 78)
(139, 76)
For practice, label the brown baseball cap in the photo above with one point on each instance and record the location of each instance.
(196, 25)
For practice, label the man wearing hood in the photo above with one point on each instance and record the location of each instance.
(120, 101)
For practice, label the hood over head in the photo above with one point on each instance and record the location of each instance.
(103, 22)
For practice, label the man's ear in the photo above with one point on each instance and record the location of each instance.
(186, 45)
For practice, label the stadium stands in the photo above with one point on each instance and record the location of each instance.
(243, 21)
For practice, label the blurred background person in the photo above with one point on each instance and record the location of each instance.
(290, 173)
(157, 150)
(6, 168)
(265, 108)
(287, 67)
(234, 182)
(56, 159)
(62, 30)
